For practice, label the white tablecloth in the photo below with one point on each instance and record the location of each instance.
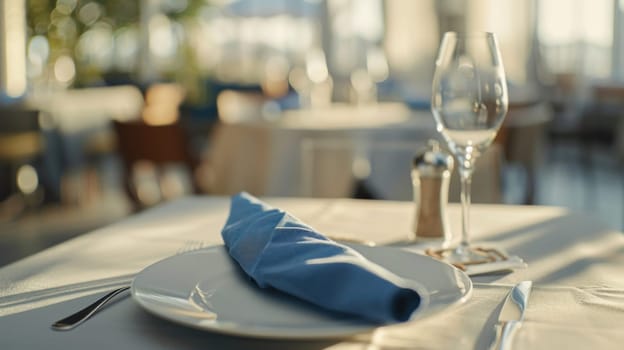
(574, 261)
(323, 152)
(279, 158)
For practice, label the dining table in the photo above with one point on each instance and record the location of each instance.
(574, 261)
(330, 151)
(272, 155)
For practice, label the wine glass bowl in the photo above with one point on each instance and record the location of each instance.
(469, 103)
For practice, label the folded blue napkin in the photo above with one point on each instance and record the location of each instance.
(277, 250)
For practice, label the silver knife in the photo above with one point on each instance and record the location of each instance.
(511, 315)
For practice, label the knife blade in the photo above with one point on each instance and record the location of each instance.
(511, 315)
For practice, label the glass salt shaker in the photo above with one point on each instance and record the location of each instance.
(431, 174)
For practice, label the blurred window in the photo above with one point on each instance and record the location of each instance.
(414, 30)
(411, 39)
(512, 22)
(577, 36)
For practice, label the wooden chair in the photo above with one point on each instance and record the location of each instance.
(159, 145)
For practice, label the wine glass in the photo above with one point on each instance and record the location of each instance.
(469, 102)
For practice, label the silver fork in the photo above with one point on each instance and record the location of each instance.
(74, 320)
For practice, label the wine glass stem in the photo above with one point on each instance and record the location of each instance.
(465, 173)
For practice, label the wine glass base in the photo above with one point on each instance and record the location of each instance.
(461, 257)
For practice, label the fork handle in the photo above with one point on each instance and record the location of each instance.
(74, 320)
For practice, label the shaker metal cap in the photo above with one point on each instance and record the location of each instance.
(432, 160)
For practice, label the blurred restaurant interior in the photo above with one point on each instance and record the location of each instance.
(108, 107)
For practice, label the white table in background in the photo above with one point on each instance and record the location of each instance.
(312, 153)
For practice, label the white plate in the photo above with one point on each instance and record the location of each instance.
(206, 289)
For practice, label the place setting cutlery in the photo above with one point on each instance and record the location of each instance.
(77, 318)
(511, 315)
(74, 320)
(220, 291)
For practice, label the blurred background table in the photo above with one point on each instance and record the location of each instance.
(337, 151)
(269, 158)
